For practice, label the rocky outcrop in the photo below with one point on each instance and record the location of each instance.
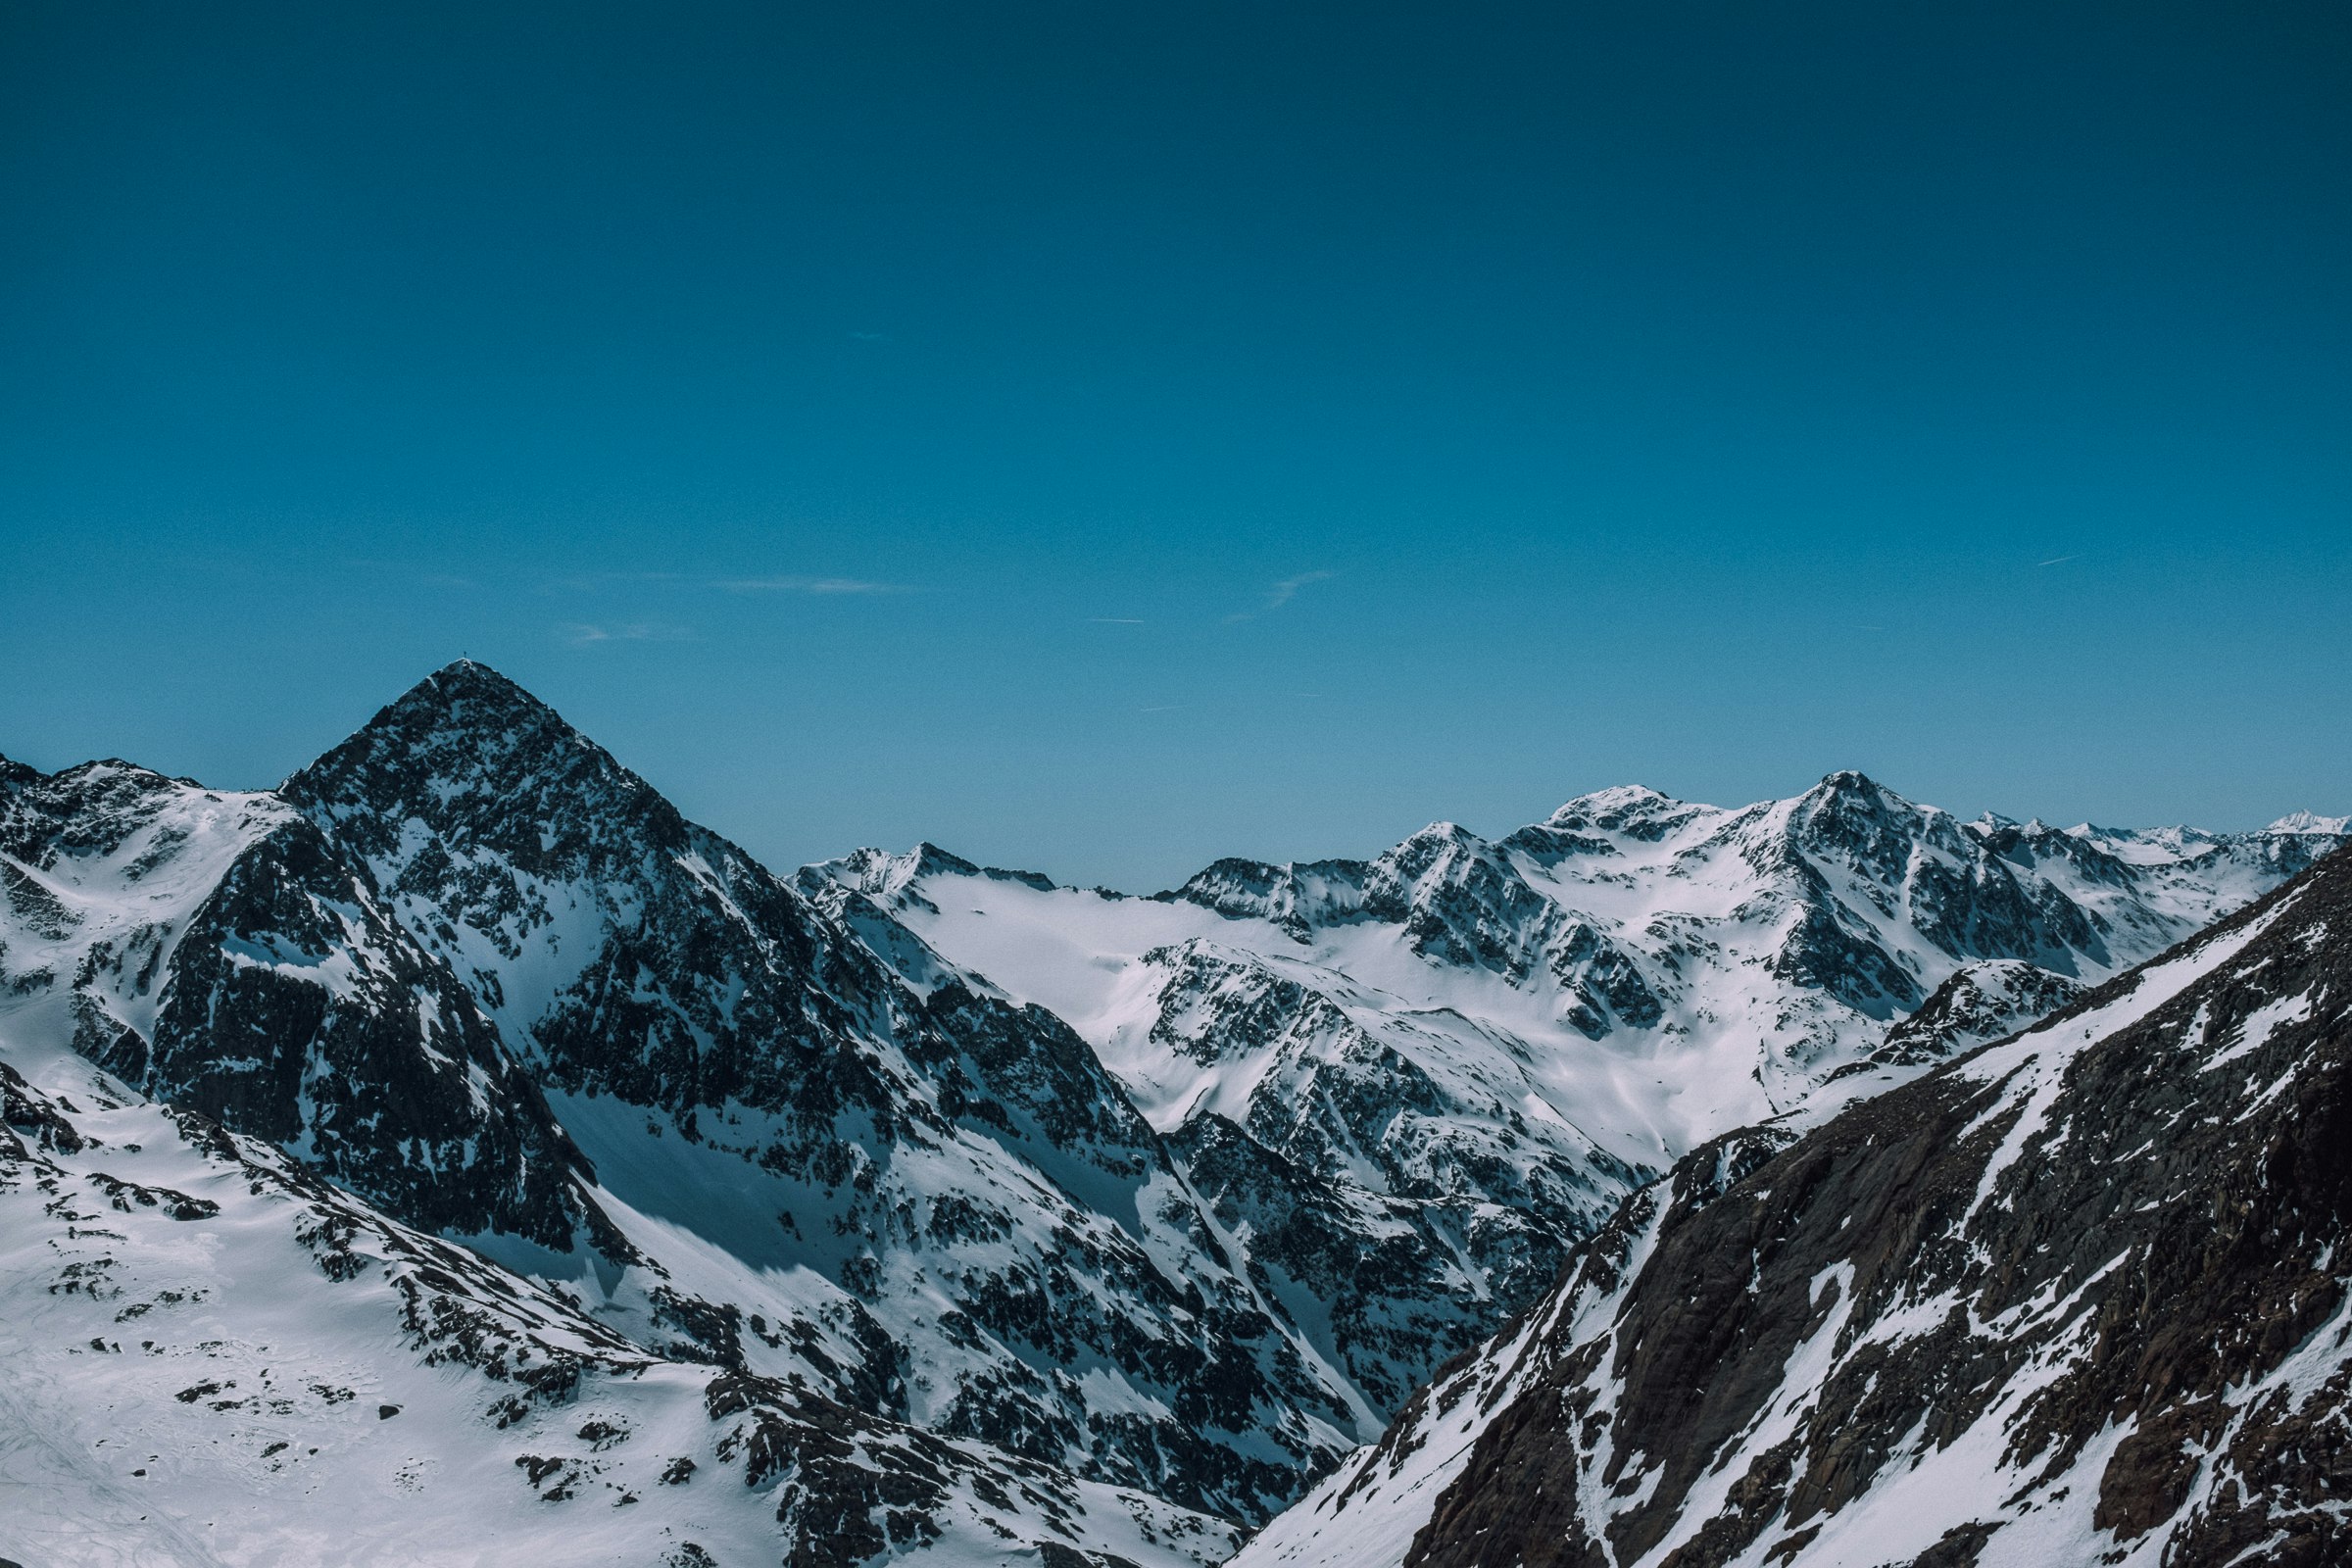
(211, 949)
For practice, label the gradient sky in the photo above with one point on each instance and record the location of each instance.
(1100, 437)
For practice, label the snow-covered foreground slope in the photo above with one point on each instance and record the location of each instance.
(2080, 1297)
(209, 1357)
(1409, 1085)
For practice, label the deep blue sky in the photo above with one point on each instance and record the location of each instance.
(879, 421)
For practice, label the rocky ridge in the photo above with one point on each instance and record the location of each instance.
(1412, 1083)
(208, 948)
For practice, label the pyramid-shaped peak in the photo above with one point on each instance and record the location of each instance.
(1848, 781)
(463, 703)
(468, 751)
(1851, 794)
(470, 684)
(1437, 837)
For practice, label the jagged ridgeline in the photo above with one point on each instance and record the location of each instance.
(2078, 1298)
(948, 1200)
(1409, 1086)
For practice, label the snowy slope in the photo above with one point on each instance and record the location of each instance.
(2079, 1296)
(209, 1357)
(1412, 1083)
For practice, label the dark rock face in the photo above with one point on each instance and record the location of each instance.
(1413, 1212)
(256, 979)
(2078, 1291)
(1299, 899)
(297, 1011)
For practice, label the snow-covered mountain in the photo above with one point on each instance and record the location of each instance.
(970, 1214)
(208, 948)
(473, 970)
(928, 1200)
(1408, 1085)
(2079, 1296)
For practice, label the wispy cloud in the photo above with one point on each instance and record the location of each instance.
(590, 581)
(810, 585)
(1288, 589)
(582, 634)
(1281, 594)
(2057, 560)
(1114, 620)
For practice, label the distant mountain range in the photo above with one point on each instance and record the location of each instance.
(2078, 1298)
(1409, 1086)
(682, 1211)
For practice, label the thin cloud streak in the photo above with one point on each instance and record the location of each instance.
(581, 635)
(1288, 589)
(589, 581)
(810, 585)
(2057, 560)
(1279, 595)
